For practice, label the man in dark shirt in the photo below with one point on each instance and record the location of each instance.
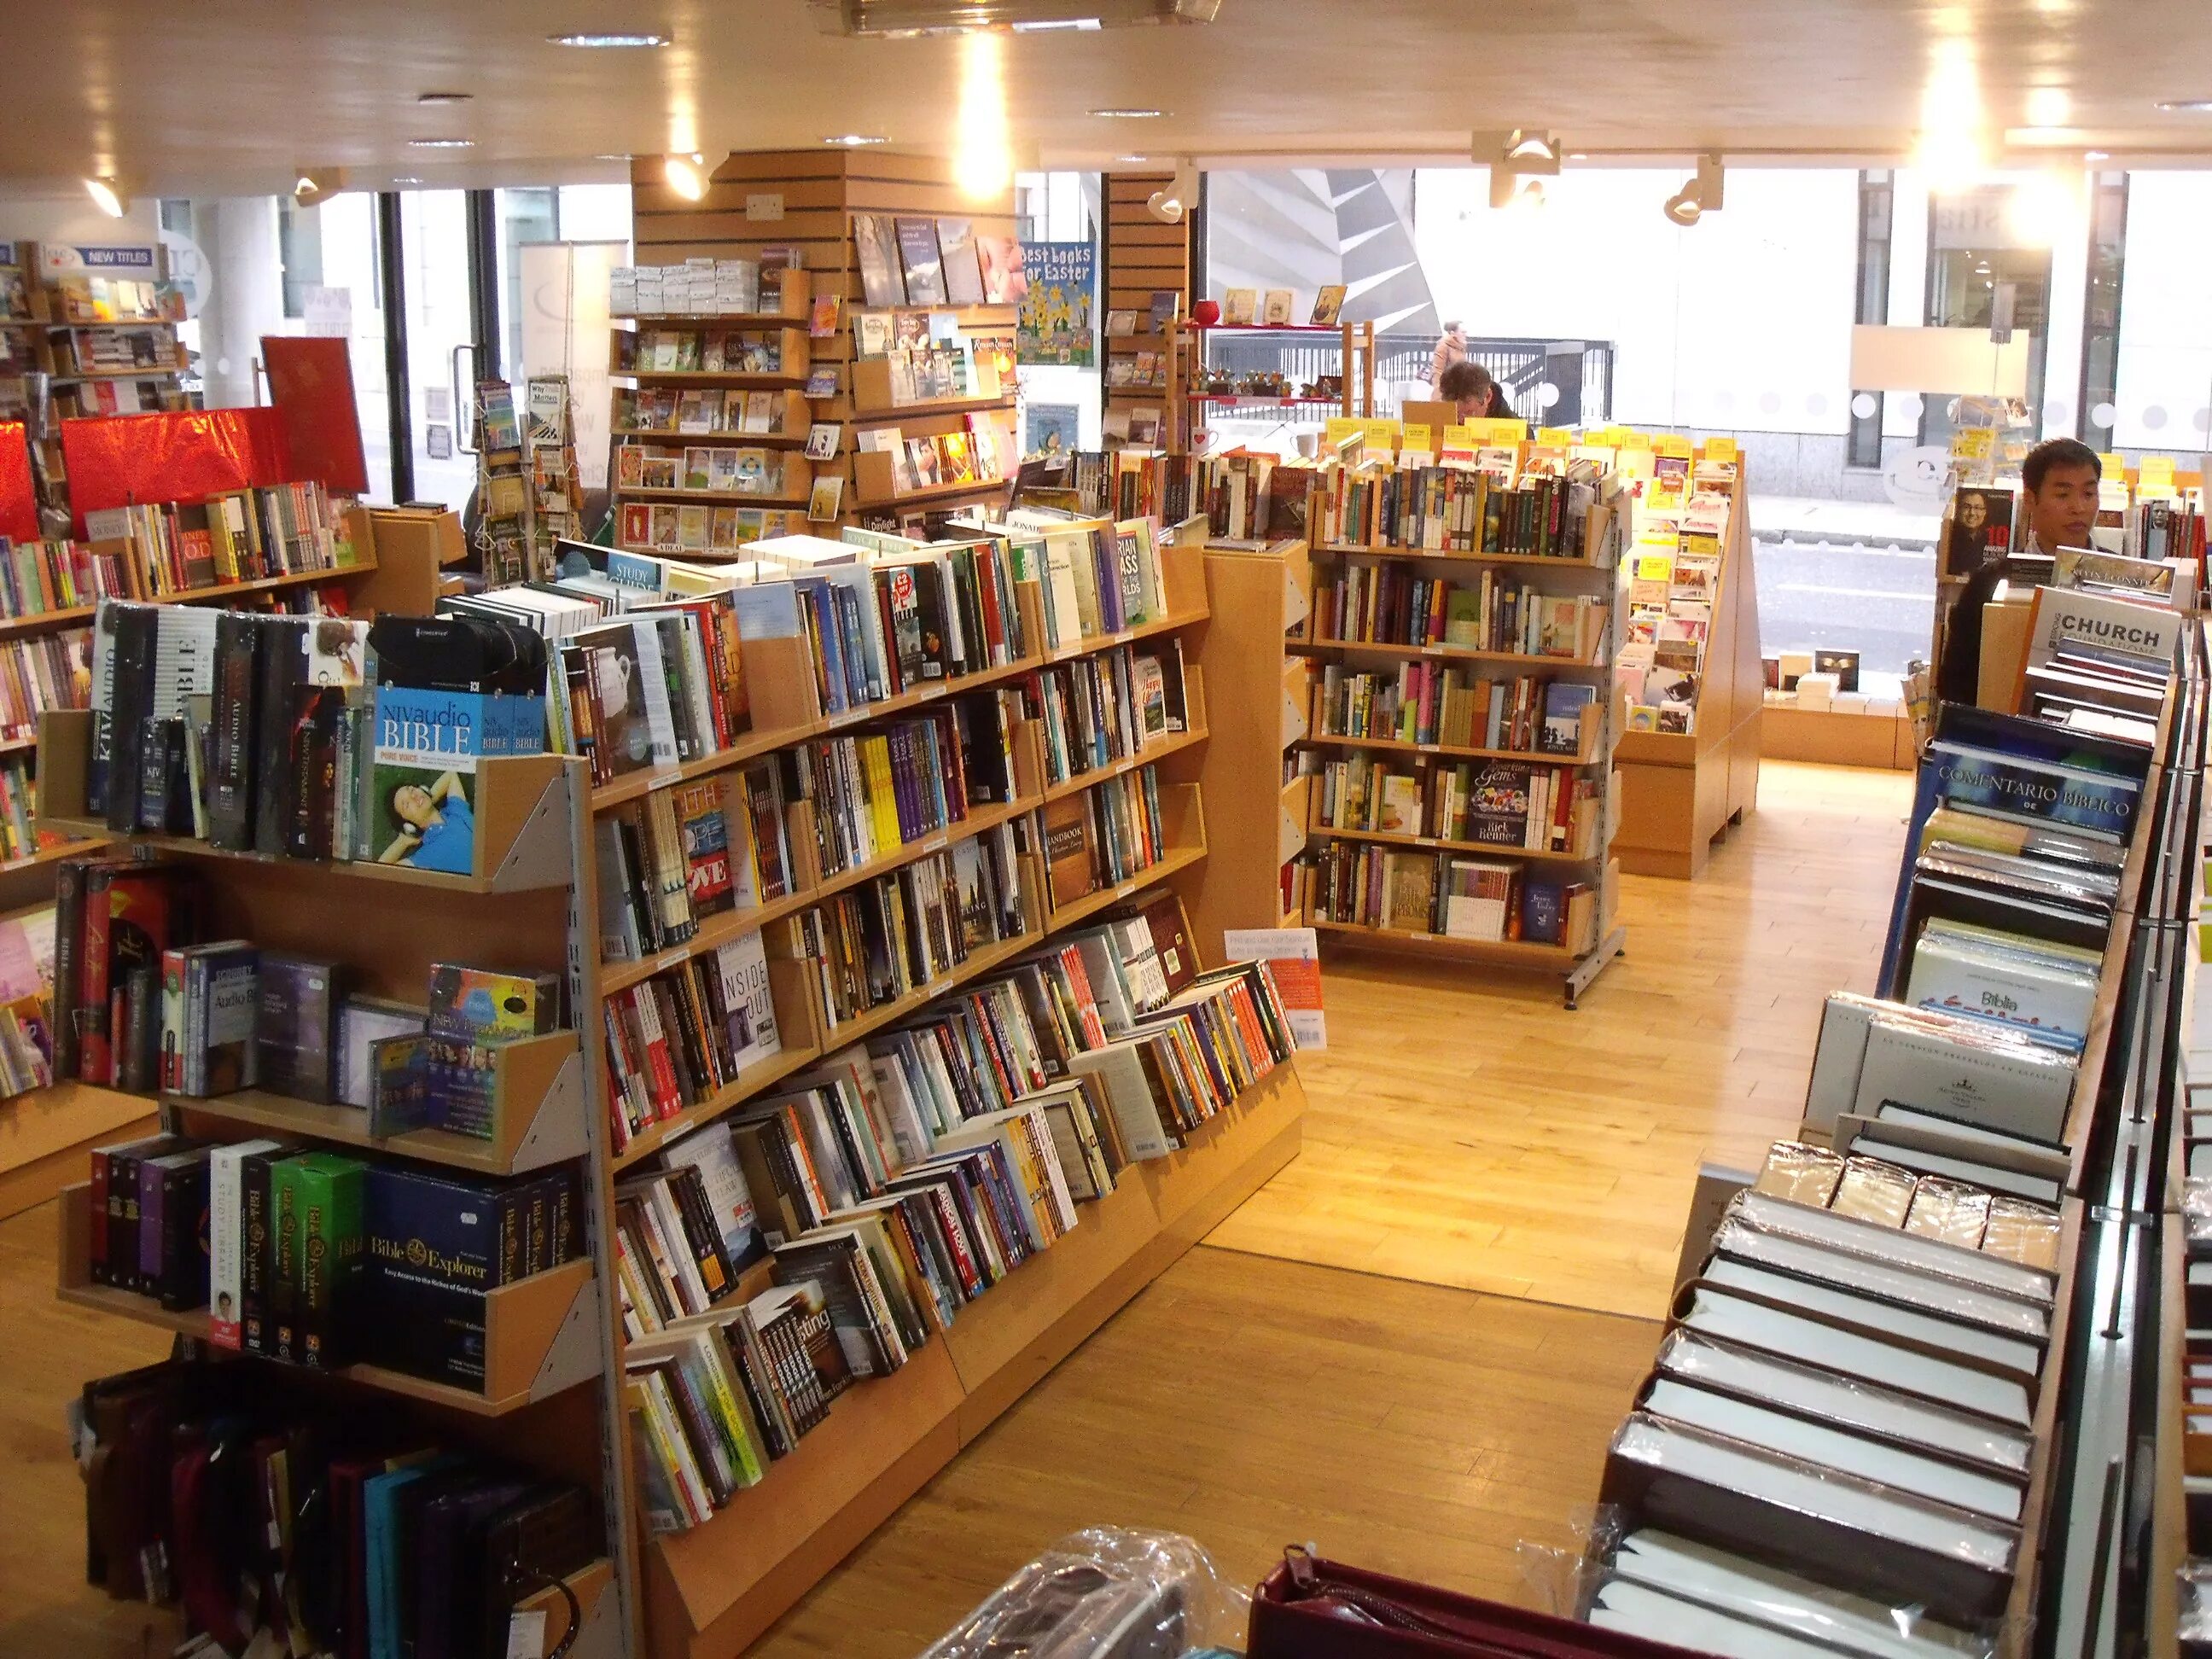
(2059, 494)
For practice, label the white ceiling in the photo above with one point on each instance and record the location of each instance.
(216, 96)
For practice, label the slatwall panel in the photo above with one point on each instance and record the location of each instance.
(821, 192)
(1143, 256)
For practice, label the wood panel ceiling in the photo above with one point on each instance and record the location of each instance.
(233, 96)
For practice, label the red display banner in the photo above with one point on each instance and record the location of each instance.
(19, 498)
(311, 384)
(122, 460)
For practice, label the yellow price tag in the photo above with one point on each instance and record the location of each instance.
(1340, 426)
(2157, 473)
(1421, 439)
(1720, 449)
(1627, 437)
(1498, 431)
(1555, 435)
(1671, 443)
(1381, 434)
(2114, 468)
(1461, 437)
(1973, 443)
(1654, 567)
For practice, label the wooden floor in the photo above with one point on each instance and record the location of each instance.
(1286, 1382)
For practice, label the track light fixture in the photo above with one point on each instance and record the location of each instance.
(1527, 151)
(1168, 205)
(107, 195)
(1699, 196)
(311, 185)
(686, 176)
(1509, 189)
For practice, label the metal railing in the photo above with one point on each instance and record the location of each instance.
(1579, 372)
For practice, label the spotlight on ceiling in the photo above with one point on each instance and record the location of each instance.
(107, 195)
(1528, 152)
(1699, 196)
(892, 20)
(311, 185)
(1169, 204)
(685, 176)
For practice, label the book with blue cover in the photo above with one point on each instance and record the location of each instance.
(428, 746)
(2092, 802)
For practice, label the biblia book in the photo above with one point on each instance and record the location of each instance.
(428, 745)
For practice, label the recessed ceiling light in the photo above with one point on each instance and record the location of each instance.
(2184, 105)
(2096, 156)
(612, 158)
(1578, 155)
(407, 179)
(444, 97)
(1130, 114)
(1130, 160)
(855, 140)
(608, 42)
(442, 144)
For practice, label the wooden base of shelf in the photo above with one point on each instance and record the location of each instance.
(712, 1590)
(1577, 965)
(45, 1137)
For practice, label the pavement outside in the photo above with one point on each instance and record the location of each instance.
(1846, 575)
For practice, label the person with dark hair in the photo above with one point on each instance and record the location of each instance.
(1469, 386)
(2058, 497)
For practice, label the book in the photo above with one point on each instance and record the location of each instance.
(1328, 301)
(877, 239)
(1239, 307)
(428, 746)
(1275, 309)
(922, 260)
(963, 276)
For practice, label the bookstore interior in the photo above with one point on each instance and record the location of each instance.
(859, 878)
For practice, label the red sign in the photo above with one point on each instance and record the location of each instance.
(123, 460)
(311, 383)
(19, 500)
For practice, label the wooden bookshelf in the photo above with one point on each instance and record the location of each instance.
(1681, 790)
(1577, 961)
(819, 192)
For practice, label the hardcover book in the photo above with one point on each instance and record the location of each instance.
(877, 241)
(924, 262)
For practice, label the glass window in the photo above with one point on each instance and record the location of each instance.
(2163, 401)
(1058, 206)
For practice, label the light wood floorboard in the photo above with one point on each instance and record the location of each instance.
(1473, 1135)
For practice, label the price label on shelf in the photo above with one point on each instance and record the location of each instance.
(1555, 435)
(1720, 449)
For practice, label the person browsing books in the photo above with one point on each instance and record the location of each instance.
(1478, 396)
(2059, 482)
(440, 828)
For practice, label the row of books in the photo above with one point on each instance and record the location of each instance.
(695, 411)
(37, 577)
(968, 456)
(1451, 897)
(942, 372)
(90, 352)
(678, 528)
(389, 1538)
(1425, 702)
(1105, 708)
(889, 937)
(1497, 803)
(697, 352)
(734, 287)
(701, 467)
(1104, 836)
(19, 834)
(318, 1258)
(2100, 656)
(264, 733)
(1453, 509)
(53, 670)
(1847, 1397)
(1393, 604)
(893, 786)
(245, 535)
(681, 1036)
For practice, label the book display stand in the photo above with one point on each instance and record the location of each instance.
(1681, 790)
(43, 1134)
(554, 1393)
(818, 206)
(1366, 885)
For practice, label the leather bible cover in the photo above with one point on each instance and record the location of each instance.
(1294, 1616)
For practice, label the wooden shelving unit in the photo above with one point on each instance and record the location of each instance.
(1681, 791)
(1577, 961)
(1355, 394)
(787, 325)
(816, 193)
(547, 1394)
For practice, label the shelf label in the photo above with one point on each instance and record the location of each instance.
(934, 844)
(1720, 449)
(1555, 435)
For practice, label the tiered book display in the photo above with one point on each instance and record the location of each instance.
(1221, 389)
(49, 593)
(1464, 629)
(1966, 1240)
(1689, 759)
(829, 910)
(904, 308)
(712, 357)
